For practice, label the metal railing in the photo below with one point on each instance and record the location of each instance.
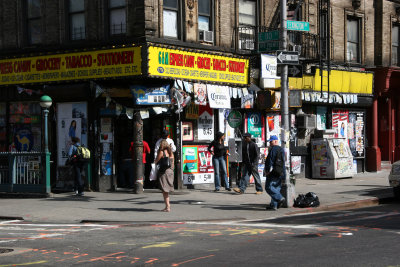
(22, 172)
(307, 44)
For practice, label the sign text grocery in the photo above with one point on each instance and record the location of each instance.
(197, 66)
(71, 66)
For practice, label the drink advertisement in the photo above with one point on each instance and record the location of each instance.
(197, 165)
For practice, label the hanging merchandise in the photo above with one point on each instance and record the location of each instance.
(180, 98)
(188, 87)
(129, 113)
(200, 94)
(118, 109)
(247, 99)
(144, 114)
(108, 101)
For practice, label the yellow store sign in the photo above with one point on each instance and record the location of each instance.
(173, 63)
(72, 66)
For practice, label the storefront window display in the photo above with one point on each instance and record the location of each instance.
(25, 126)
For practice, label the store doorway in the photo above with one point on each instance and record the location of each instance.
(123, 132)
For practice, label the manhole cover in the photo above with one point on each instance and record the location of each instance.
(6, 250)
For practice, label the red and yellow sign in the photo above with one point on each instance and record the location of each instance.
(72, 66)
(173, 63)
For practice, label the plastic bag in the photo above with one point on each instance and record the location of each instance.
(153, 172)
(306, 201)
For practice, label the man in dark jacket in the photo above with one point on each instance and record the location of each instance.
(250, 155)
(275, 172)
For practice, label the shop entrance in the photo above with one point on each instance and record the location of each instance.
(123, 136)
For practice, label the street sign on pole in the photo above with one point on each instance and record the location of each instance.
(295, 71)
(287, 57)
(293, 25)
(268, 41)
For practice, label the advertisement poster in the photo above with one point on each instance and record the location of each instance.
(218, 96)
(342, 129)
(296, 164)
(269, 65)
(187, 131)
(320, 153)
(143, 95)
(356, 141)
(106, 160)
(254, 124)
(273, 121)
(205, 124)
(71, 122)
(200, 94)
(197, 165)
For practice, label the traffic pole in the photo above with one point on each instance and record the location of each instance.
(288, 189)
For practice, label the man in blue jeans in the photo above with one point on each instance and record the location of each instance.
(250, 156)
(273, 183)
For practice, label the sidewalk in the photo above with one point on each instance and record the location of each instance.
(364, 189)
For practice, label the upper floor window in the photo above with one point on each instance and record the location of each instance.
(171, 18)
(247, 24)
(117, 9)
(77, 19)
(34, 22)
(353, 52)
(205, 18)
(395, 45)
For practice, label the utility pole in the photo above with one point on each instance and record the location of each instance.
(287, 187)
(138, 152)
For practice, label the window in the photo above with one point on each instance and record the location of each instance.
(77, 19)
(395, 45)
(205, 19)
(117, 9)
(34, 22)
(170, 18)
(247, 24)
(353, 40)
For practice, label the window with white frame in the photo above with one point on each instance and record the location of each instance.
(395, 45)
(247, 24)
(117, 9)
(353, 48)
(171, 18)
(77, 19)
(205, 18)
(34, 22)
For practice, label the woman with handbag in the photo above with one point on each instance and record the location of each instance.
(165, 163)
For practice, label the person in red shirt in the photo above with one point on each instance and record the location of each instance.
(146, 150)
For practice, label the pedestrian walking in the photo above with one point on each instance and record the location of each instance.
(275, 173)
(250, 156)
(165, 172)
(77, 165)
(219, 154)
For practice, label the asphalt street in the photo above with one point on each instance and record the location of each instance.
(358, 237)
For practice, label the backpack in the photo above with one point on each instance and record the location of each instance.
(82, 153)
(279, 164)
(305, 201)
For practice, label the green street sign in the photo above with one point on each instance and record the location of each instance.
(268, 46)
(293, 25)
(268, 36)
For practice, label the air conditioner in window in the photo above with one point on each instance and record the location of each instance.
(306, 121)
(247, 45)
(206, 36)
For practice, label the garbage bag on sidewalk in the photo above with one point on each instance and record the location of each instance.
(305, 201)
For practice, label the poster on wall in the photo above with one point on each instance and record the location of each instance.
(341, 129)
(197, 165)
(218, 96)
(71, 122)
(224, 126)
(200, 94)
(295, 164)
(273, 126)
(255, 124)
(205, 124)
(187, 131)
(356, 140)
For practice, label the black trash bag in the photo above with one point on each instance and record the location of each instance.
(306, 201)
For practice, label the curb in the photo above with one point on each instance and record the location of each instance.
(370, 202)
(10, 218)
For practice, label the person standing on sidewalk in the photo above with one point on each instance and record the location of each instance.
(250, 156)
(218, 159)
(276, 161)
(77, 165)
(166, 177)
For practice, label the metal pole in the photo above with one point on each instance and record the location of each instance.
(287, 187)
(138, 152)
(46, 151)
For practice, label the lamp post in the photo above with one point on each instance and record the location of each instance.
(45, 103)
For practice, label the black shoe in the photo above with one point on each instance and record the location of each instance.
(228, 189)
(216, 190)
(281, 202)
(270, 208)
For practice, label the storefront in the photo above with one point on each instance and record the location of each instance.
(96, 94)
